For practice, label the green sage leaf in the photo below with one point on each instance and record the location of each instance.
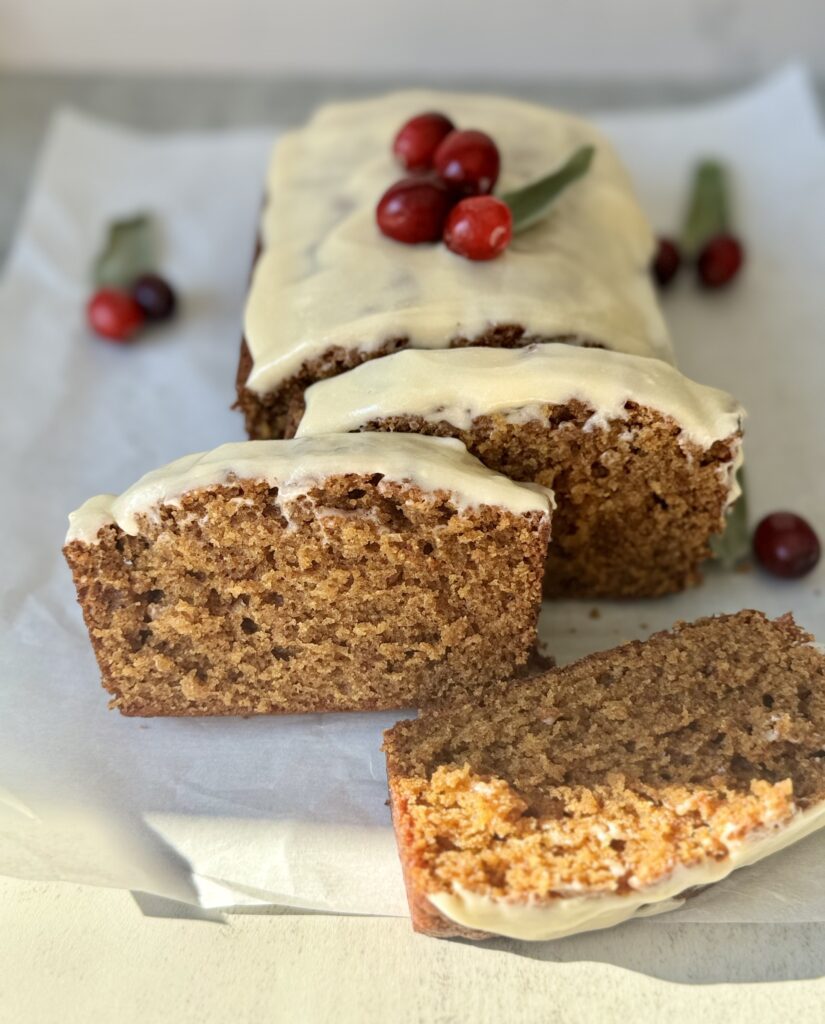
(530, 204)
(733, 544)
(128, 252)
(708, 211)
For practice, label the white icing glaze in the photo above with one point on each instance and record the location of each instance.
(458, 385)
(433, 464)
(327, 276)
(567, 915)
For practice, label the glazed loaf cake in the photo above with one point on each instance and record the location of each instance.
(329, 291)
(611, 787)
(642, 460)
(348, 572)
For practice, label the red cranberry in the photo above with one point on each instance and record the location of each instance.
(114, 314)
(719, 261)
(416, 143)
(414, 210)
(479, 228)
(786, 545)
(155, 297)
(468, 162)
(666, 262)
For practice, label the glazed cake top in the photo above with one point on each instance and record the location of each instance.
(294, 467)
(327, 277)
(458, 385)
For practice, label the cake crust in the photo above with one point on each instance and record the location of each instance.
(423, 914)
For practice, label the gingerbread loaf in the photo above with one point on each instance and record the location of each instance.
(349, 572)
(642, 460)
(613, 787)
(329, 291)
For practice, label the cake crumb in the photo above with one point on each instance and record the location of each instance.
(606, 541)
(364, 594)
(606, 773)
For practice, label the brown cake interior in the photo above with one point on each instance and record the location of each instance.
(636, 505)
(374, 594)
(605, 775)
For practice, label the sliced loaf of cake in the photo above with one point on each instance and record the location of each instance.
(614, 786)
(323, 574)
(642, 459)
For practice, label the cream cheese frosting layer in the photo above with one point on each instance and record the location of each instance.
(458, 385)
(327, 277)
(433, 464)
(568, 915)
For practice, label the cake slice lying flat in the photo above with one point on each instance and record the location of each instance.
(613, 786)
(326, 574)
(641, 458)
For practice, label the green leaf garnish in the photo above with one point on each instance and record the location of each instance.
(129, 252)
(733, 544)
(708, 211)
(530, 204)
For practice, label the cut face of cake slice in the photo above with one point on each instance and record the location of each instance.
(642, 459)
(330, 291)
(614, 786)
(323, 574)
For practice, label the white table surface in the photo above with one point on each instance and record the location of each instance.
(71, 953)
(79, 955)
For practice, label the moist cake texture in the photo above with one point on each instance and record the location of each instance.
(642, 460)
(329, 290)
(340, 573)
(618, 783)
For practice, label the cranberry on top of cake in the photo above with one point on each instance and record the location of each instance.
(327, 280)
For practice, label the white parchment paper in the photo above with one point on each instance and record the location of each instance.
(292, 810)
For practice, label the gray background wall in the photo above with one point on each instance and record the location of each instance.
(631, 39)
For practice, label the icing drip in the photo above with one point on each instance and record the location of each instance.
(433, 464)
(459, 385)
